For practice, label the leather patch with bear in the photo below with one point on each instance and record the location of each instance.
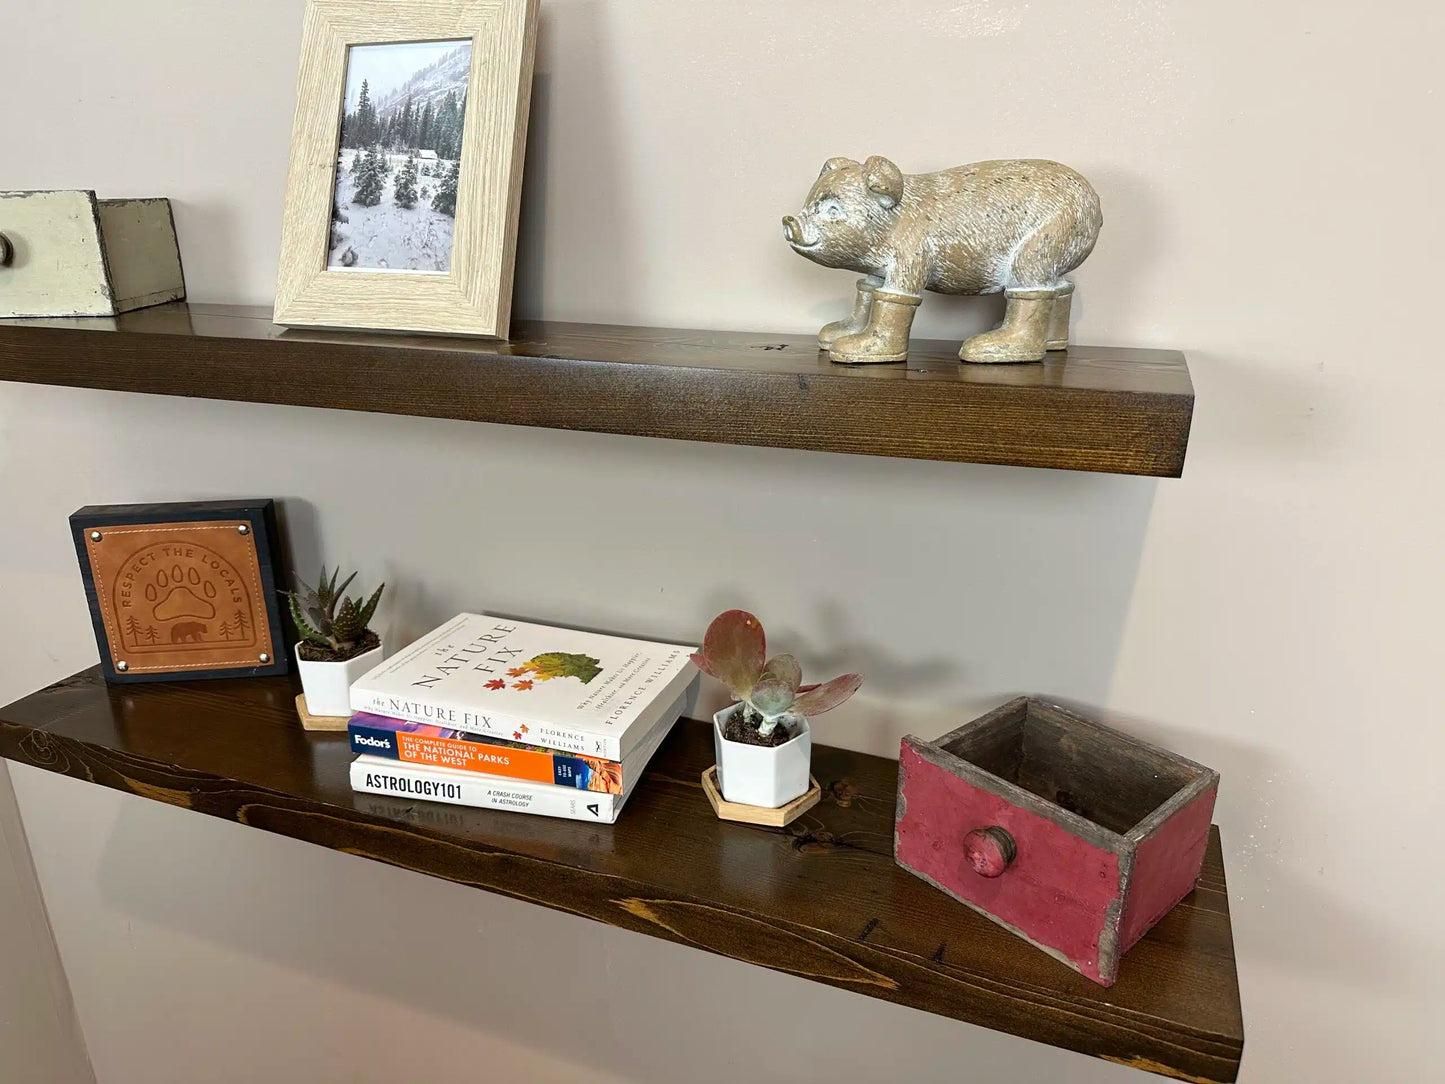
(176, 597)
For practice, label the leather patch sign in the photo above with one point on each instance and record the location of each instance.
(182, 591)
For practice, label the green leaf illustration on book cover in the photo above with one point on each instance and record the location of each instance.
(555, 664)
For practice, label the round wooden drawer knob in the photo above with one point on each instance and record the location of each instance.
(7, 251)
(989, 850)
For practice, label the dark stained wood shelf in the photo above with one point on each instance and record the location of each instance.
(821, 899)
(1095, 409)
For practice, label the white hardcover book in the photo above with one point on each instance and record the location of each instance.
(377, 775)
(381, 775)
(581, 692)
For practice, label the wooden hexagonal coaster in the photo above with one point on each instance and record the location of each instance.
(758, 814)
(319, 722)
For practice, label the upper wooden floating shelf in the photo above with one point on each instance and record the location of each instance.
(1094, 409)
(822, 899)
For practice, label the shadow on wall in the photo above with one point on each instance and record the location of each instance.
(1020, 577)
(1128, 252)
(222, 261)
(596, 232)
(949, 586)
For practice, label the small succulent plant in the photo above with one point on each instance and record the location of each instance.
(328, 619)
(734, 650)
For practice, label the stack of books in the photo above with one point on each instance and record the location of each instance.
(503, 714)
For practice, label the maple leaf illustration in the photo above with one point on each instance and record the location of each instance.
(525, 728)
(516, 735)
(495, 683)
(524, 685)
(516, 671)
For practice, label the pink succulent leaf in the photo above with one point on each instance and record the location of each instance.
(807, 688)
(785, 668)
(735, 649)
(771, 695)
(827, 696)
(700, 661)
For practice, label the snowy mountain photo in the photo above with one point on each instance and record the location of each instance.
(399, 161)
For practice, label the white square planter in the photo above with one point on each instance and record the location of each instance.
(768, 776)
(327, 685)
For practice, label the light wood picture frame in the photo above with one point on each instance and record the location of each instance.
(473, 295)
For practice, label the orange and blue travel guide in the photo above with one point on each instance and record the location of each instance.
(441, 747)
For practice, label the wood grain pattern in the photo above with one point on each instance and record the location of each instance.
(1093, 408)
(474, 297)
(821, 899)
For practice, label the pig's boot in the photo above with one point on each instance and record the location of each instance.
(886, 336)
(1058, 334)
(858, 321)
(1024, 334)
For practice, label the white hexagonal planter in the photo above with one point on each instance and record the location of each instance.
(761, 775)
(327, 685)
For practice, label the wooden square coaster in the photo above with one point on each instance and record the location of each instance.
(757, 814)
(331, 723)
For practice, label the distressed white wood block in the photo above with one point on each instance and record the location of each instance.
(70, 254)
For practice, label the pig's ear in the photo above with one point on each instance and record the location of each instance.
(835, 163)
(884, 180)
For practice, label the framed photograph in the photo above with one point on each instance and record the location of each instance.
(406, 165)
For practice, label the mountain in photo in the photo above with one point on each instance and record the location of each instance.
(432, 84)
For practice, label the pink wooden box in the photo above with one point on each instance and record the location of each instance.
(1068, 833)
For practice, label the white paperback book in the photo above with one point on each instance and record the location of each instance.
(381, 775)
(581, 692)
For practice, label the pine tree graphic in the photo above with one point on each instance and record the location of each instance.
(151, 634)
(226, 630)
(242, 621)
(132, 628)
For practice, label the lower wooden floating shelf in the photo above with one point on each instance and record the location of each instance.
(820, 899)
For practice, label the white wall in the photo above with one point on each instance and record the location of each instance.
(40, 1040)
(1269, 176)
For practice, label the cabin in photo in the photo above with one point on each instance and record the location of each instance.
(427, 158)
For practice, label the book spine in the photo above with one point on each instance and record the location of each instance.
(373, 775)
(557, 769)
(455, 716)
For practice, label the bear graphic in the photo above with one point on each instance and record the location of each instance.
(188, 632)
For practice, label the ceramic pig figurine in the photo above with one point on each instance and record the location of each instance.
(1016, 227)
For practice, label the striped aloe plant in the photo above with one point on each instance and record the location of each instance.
(326, 617)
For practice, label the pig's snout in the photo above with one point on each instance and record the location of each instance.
(793, 231)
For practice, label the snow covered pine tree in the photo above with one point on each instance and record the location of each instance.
(369, 182)
(404, 191)
(445, 201)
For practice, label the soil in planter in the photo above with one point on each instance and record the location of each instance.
(316, 653)
(739, 731)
